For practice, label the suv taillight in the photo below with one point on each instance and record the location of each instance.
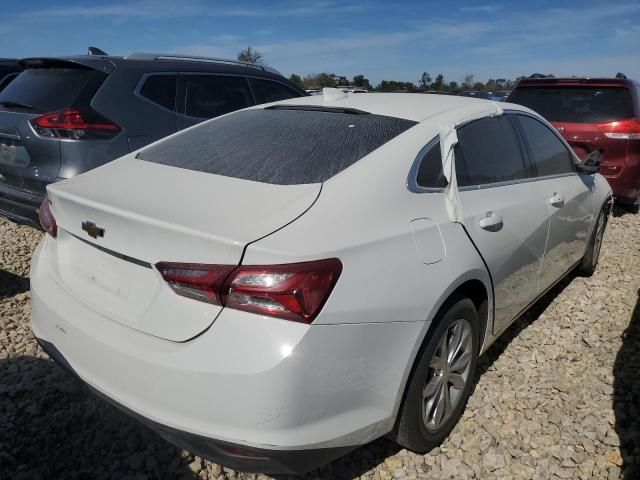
(623, 129)
(74, 124)
(47, 220)
(295, 291)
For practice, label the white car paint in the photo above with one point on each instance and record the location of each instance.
(271, 383)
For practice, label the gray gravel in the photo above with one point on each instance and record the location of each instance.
(557, 397)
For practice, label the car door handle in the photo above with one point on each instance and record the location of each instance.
(557, 200)
(491, 221)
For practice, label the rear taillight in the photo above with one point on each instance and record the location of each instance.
(194, 280)
(75, 124)
(623, 129)
(295, 291)
(47, 220)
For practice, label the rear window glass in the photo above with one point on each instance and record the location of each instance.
(50, 89)
(576, 104)
(161, 89)
(267, 91)
(284, 147)
(488, 151)
(207, 96)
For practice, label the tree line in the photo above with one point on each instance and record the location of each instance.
(425, 82)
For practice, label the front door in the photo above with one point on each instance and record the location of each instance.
(568, 195)
(504, 212)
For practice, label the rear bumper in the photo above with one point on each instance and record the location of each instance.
(252, 393)
(626, 183)
(235, 456)
(20, 206)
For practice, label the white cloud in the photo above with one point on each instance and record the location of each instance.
(480, 8)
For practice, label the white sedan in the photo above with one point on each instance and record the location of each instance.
(274, 287)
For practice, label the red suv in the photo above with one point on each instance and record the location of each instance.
(593, 114)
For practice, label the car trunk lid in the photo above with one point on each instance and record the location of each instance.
(153, 213)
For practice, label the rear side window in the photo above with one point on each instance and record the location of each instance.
(488, 151)
(430, 173)
(160, 89)
(576, 104)
(547, 152)
(278, 146)
(50, 89)
(208, 96)
(267, 91)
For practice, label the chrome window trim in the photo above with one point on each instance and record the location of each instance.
(467, 188)
(141, 82)
(412, 178)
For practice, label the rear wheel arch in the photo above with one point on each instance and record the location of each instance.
(473, 289)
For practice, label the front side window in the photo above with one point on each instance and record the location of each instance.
(488, 151)
(547, 152)
(267, 91)
(208, 96)
(430, 173)
(160, 89)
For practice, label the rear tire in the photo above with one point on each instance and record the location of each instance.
(442, 379)
(592, 255)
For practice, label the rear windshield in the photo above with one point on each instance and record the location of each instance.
(48, 89)
(576, 104)
(284, 147)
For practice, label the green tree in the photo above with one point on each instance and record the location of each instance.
(467, 83)
(478, 86)
(425, 80)
(438, 84)
(393, 85)
(453, 85)
(296, 79)
(318, 80)
(250, 55)
(361, 82)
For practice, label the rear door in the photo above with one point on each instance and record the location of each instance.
(568, 195)
(29, 159)
(203, 96)
(503, 210)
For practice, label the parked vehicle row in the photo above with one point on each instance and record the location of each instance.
(230, 287)
(64, 116)
(231, 247)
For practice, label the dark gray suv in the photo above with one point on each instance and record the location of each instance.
(64, 116)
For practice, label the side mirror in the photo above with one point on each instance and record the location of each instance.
(591, 163)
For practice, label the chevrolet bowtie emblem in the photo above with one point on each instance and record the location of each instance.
(92, 229)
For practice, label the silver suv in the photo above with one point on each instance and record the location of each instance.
(64, 116)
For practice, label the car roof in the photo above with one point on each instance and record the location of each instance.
(410, 106)
(575, 81)
(153, 62)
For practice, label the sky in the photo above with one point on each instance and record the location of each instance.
(381, 40)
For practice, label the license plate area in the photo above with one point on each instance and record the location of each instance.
(12, 152)
(117, 287)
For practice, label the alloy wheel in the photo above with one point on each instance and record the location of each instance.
(597, 241)
(449, 371)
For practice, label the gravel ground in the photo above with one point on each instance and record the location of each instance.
(557, 396)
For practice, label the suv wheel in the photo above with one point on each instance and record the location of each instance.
(592, 255)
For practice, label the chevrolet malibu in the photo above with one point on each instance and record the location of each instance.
(275, 287)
